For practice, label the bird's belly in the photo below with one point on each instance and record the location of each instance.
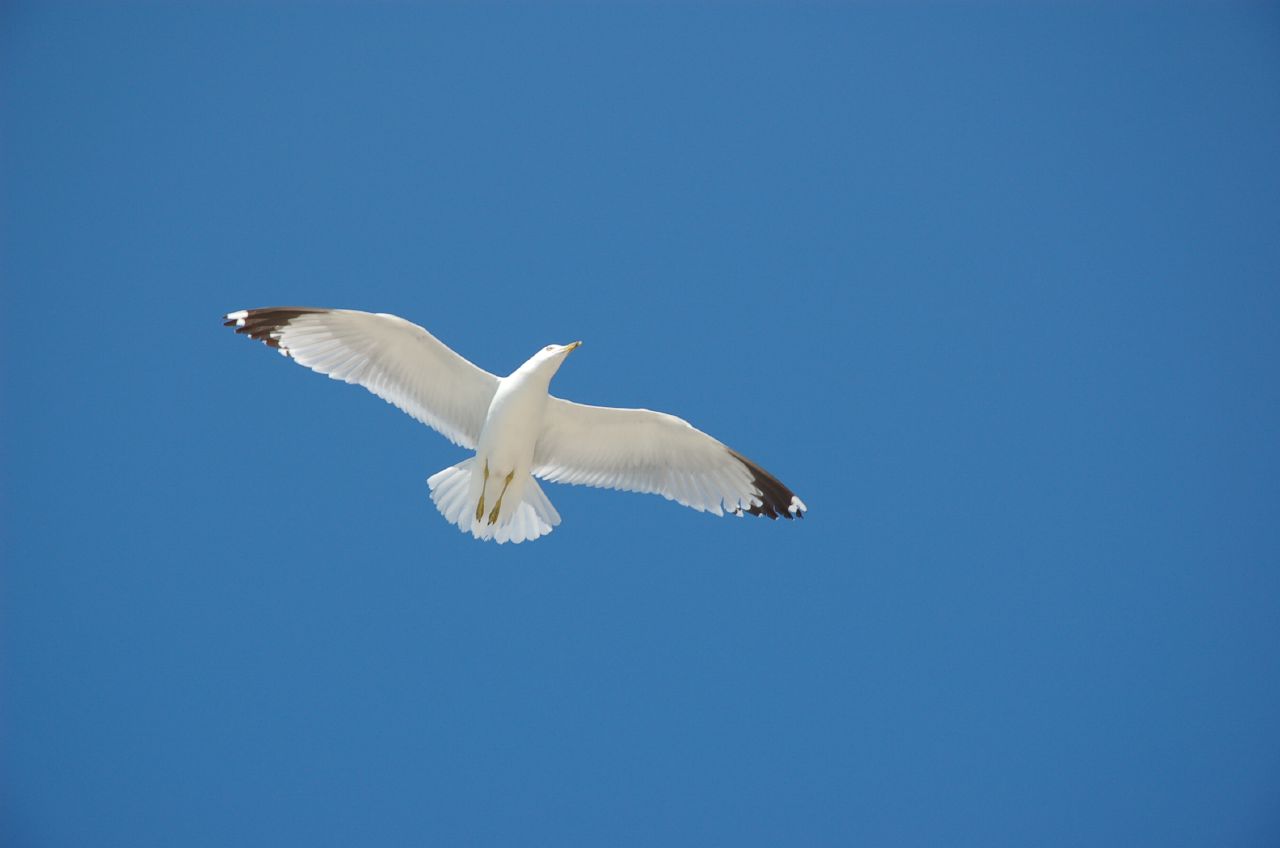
(511, 431)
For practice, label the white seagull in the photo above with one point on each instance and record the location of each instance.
(519, 432)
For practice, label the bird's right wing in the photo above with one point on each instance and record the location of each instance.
(638, 450)
(395, 359)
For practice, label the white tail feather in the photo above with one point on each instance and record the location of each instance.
(451, 493)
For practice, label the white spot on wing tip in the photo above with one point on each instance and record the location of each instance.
(797, 505)
(238, 317)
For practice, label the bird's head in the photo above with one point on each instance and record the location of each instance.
(550, 358)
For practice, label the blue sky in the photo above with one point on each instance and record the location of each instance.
(992, 287)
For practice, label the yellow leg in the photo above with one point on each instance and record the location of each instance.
(480, 506)
(493, 516)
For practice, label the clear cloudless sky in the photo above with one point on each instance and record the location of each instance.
(994, 287)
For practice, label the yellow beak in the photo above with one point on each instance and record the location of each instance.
(572, 347)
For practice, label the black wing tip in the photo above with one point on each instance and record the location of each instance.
(264, 324)
(776, 500)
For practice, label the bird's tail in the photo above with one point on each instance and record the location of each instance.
(452, 493)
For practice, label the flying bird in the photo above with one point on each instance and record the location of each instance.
(520, 433)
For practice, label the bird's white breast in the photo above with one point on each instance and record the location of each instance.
(513, 423)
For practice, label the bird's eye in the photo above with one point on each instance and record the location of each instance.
(549, 347)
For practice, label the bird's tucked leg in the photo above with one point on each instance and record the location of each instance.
(493, 516)
(480, 505)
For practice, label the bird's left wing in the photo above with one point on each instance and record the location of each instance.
(638, 450)
(395, 359)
